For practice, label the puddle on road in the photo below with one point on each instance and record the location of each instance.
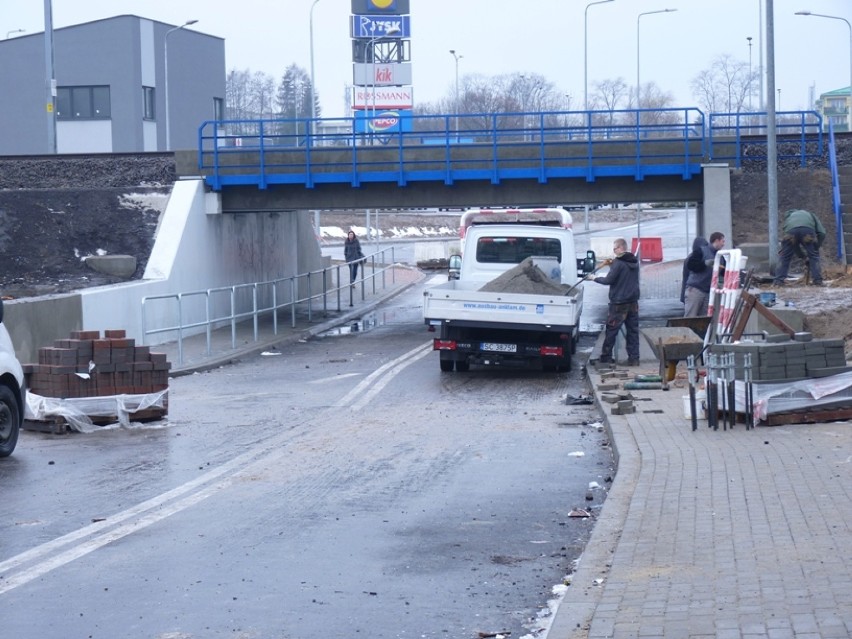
(362, 325)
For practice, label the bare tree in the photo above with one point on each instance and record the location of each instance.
(248, 96)
(725, 86)
(611, 93)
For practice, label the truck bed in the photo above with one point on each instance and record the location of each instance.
(460, 302)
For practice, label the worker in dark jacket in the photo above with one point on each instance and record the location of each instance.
(801, 229)
(699, 266)
(623, 282)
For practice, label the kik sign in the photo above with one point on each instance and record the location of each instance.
(381, 75)
(362, 26)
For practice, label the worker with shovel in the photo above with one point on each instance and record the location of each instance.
(623, 282)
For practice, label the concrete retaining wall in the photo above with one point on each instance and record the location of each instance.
(196, 249)
(36, 322)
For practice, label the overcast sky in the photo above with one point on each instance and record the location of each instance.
(499, 36)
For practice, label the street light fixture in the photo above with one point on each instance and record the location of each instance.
(586, 52)
(166, 60)
(8, 33)
(849, 103)
(458, 57)
(638, 18)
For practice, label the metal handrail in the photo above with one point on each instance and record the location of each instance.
(835, 194)
(727, 133)
(203, 317)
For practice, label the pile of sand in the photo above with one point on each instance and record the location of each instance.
(525, 278)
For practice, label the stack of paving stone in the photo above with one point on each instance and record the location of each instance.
(789, 360)
(88, 365)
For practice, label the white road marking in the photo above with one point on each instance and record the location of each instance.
(379, 385)
(361, 388)
(334, 378)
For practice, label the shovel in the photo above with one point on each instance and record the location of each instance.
(585, 277)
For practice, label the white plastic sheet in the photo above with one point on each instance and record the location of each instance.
(784, 397)
(77, 411)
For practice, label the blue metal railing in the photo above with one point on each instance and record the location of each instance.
(450, 148)
(728, 133)
(835, 194)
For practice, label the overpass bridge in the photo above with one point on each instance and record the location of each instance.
(532, 158)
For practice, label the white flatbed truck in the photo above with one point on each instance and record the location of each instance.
(509, 328)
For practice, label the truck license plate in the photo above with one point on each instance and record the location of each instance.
(498, 348)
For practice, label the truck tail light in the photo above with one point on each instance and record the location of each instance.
(444, 345)
(550, 351)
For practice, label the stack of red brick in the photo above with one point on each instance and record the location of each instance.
(113, 363)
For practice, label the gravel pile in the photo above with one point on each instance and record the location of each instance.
(92, 172)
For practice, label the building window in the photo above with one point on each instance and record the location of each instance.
(218, 109)
(83, 103)
(148, 112)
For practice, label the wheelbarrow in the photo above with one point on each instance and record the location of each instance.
(672, 344)
(698, 325)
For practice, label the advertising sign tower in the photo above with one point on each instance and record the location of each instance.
(382, 95)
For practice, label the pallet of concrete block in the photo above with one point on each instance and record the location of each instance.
(89, 380)
(819, 399)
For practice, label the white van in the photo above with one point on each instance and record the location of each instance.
(12, 392)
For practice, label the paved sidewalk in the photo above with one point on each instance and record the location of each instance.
(726, 534)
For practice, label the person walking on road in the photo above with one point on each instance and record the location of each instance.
(623, 282)
(699, 269)
(802, 230)
(353, 255)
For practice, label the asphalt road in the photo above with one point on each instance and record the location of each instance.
(343, 488)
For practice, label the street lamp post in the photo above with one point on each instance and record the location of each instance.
(313, 100)
(313, 79)
(760, 105)
(849, 103)
(166, 61)
(638, 18)
(8, 33)
(586, 52)
(749, 73)
(458, 57)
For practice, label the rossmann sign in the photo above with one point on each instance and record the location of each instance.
(392, 7)
(385, 122)
(382, 97)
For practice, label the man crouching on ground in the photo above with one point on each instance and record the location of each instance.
(623, 282)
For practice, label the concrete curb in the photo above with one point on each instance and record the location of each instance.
(574, 614)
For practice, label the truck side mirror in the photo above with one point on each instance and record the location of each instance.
(454, 271)
(586, 265)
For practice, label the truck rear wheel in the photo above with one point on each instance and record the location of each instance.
(462, 367)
